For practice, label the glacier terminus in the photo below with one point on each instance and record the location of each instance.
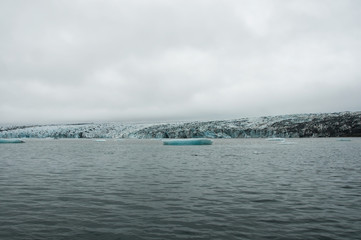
(342, 124)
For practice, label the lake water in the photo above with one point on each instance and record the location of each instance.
(140, 189)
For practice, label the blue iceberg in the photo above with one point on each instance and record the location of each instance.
(11, 141)
(191, 141)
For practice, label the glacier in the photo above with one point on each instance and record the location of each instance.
(341, 124)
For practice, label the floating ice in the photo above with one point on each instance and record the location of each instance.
(286, 143)
(344, 139)
(276, 139)
(11, 141)
(192, 141)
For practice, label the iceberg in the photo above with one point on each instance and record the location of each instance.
(276, 139)
(344, 140)
(286, 143)
(11, 141)
(192, 141)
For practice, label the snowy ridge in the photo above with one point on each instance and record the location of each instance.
(89, 130)
(344, 124)
(299, 125)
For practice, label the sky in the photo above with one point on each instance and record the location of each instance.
(150, 60)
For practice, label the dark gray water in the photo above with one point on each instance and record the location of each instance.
(140, 189)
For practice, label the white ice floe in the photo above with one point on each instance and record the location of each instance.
(275, 139)
(287, 143)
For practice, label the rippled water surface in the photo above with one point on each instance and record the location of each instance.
(140, 189)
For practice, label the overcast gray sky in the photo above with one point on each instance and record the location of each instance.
(107, 60)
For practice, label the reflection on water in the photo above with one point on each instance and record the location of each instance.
(140, 189)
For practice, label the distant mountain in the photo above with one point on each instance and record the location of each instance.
(343, 124)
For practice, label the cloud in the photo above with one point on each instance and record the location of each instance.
(145, 60)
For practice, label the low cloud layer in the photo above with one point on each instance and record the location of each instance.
(70, 61)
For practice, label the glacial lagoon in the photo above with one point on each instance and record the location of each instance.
(140, 189)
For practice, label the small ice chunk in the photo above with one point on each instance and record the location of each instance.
(344, 139)
(190, 141)
(287, 143)
(11, 141)
(275, 139)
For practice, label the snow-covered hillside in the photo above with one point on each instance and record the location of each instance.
(299, 125)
